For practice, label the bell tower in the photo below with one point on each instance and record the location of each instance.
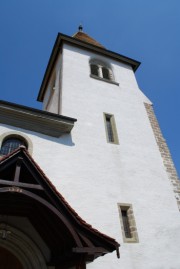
(123, 178)
(64, 73)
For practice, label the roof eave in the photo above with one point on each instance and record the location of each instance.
(64, 38)
(34, 119)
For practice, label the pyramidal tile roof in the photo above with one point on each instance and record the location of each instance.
(86, 38)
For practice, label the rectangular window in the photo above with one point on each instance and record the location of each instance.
(110, 126)
(128, 224)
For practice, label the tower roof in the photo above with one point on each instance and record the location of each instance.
(86, 38)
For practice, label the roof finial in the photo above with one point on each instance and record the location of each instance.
(80, 28)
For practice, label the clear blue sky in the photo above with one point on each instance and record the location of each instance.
(147, 31)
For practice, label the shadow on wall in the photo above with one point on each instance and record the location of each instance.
(65, 139)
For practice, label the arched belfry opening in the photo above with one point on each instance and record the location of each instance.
(37, 225)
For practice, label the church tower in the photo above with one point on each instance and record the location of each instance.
(99, 142)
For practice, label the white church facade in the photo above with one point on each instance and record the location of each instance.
(96, 149)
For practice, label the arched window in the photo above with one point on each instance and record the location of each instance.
(105, 73)
(94, 70)
(11, 143)
(101, 70)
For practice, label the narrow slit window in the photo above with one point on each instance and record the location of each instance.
(111, 132)
(126, 224)
(109, 128)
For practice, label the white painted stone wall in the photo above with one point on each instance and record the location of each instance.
(94, 175)
(52, 97)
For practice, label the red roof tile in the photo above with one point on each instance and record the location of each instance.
(86, 38)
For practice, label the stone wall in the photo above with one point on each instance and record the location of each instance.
(165, 153)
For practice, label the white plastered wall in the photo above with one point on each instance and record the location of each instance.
(52, 97)
(94, 175)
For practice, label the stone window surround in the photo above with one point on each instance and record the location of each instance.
(17, 135)
(100, 64)
(132, 223)
(115, 135)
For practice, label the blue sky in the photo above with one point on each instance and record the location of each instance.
(147, 31)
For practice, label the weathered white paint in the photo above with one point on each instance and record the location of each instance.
(94, 175)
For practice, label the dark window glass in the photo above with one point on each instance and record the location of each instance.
(11, 144)
(105, 73)
(94, 70)
(109, 128)
(126, 224)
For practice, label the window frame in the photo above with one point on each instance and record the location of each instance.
(111, 130)
(100, 66)
(130, 222)
(105, 73)
(10, 144)
(7, 135)
(94, 67)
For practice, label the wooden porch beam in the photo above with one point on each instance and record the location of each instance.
(18, 169)
(21, 184)
(90, 250)
(82, 265)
